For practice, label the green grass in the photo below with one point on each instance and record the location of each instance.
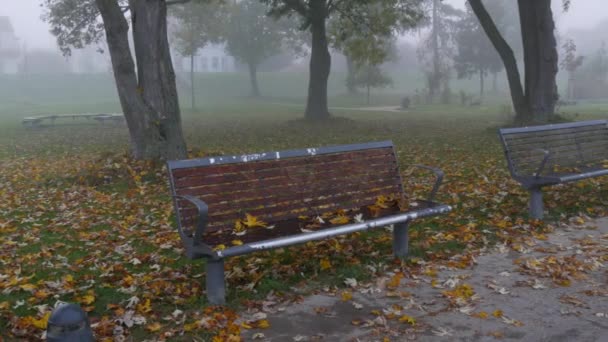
(72, 158)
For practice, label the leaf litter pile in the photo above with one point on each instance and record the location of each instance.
(97, 228)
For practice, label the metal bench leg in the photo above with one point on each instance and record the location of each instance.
(400, 239)
(215, 282)
(536, 203)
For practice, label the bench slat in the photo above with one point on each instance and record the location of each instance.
(556, 139)
(554, 131)
(246, 178)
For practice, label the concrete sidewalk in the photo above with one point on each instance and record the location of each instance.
(519, 295)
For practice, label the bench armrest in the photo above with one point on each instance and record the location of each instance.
(541, 167)
(438, 179)
(201, 224)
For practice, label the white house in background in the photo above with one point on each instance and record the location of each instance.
(211, 58)
(10, 51)
(89, 60)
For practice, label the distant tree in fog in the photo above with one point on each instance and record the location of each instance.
(251, 36)
(475, 54)
(437, 49)
(314, 15)
(570, 62)
(367, 40)
(197, 24)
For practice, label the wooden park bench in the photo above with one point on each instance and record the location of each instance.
(546, 155)
(37, 121)
(215, 198)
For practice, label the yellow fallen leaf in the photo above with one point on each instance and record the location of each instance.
(346, 296)
(407, 319)
(340, 219)
(263, 324)
(325, 264)
(5, 305)
(237, 242)
(395, 281)
(145, 307)
(497, 313)
(481, 314)
(28, 287)
(239, 227)
(87, 299)
(42, 322)
(191, 326)
(382, 202)
(154, 327)
(252, 221)
(219, 247)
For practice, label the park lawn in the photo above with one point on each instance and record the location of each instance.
(82, 222)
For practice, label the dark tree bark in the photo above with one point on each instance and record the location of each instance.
(540, 57)
(253, 77)
(320, 63)
(537, 103)
(507, 56)
(149, 98)
(435, 79)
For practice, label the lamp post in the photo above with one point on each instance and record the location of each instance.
(69, 323)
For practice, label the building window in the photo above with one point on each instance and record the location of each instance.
(215, 63)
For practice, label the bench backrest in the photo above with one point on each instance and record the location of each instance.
(285, 184)
(571, 145)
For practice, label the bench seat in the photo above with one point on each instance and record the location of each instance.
(546, 155)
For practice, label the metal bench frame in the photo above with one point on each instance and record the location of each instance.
(215, 279)
(535, 182)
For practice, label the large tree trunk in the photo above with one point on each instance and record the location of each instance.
(435, 79)
(148, 99)
(508, 58)
(540, 58)
(537, 103)
(253, 77)
(320, 63)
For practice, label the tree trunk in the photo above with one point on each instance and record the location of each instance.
(253, 77)
(507, 56)
(540, 58)
(350, 77)
(320, 63)
(148, 99)
(434, 80)
(192, 96)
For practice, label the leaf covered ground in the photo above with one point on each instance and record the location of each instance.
(82, 222)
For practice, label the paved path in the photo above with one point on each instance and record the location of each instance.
(393, 109)
(524, 294)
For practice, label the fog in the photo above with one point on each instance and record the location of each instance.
(33, 33)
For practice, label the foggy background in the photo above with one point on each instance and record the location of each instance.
(33, 33)
(85, 81)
